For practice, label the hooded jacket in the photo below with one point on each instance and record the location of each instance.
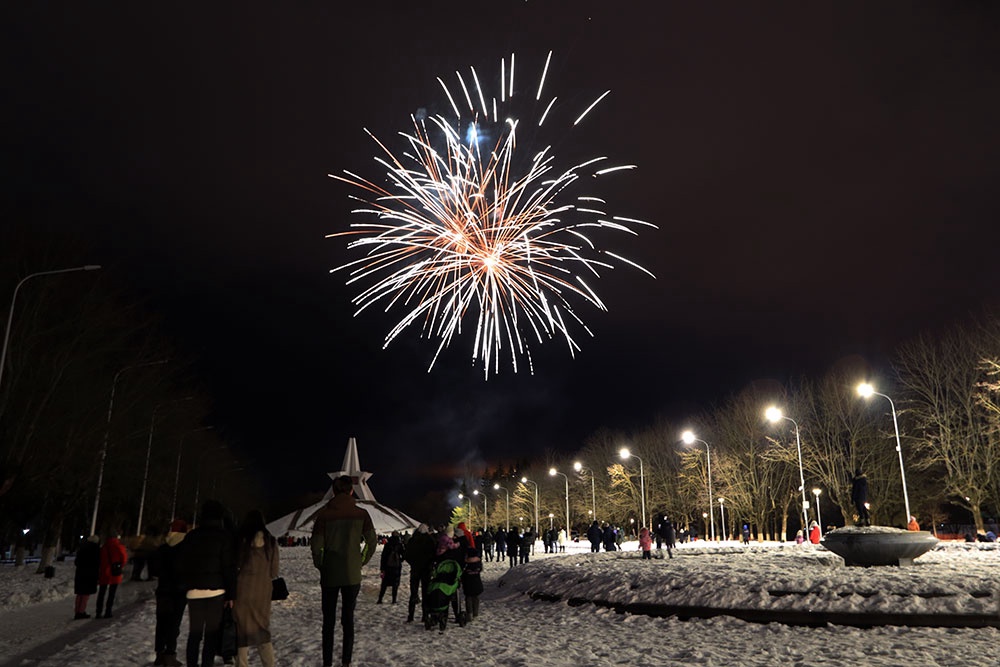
(339, 530)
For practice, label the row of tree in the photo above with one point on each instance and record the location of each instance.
(91, 391)
(944, 389)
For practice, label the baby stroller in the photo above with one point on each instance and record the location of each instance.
(442, 593)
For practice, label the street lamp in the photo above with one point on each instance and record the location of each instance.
(579, 467)
(866, 390)
(775, 415)
(177, 471)
(722, 516)
(525, 480)
(149, 450)
(486, 515)
(625, 454)
(819, 521)
(107, 435)
(462, 497)
(13, 299)
(689, 439)
(553, 472)
(500, 488)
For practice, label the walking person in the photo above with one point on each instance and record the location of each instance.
(339, 530)
(513, 546)
(391, 566)
(595, 535)
(669, 537)
(420, 555)
(206, 566)
(501, 545)
(114, 557)
(645, 543)
(88, 567)
(257, 567)
(859, 496)
(170, 596)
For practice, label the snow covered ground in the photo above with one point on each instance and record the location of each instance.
(514, 629)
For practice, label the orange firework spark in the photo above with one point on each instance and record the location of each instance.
(460, 231)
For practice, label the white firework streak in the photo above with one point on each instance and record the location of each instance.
(462, 233)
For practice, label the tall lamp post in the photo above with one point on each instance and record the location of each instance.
(463, 497)
(689, 439)
(13, 300)
(866, 390)
(819, 521)
(177, 470)
(107, 435)
(507, 493)
(722, 516)
(486, 515)
(579, 467)
(775, 415)
(525, 480)
(625, 454)
(553, 472)
(149, 450)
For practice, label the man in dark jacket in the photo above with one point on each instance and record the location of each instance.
(859, 496)
(420, 556)
(595, 535)
(170, 596)
(206, 568)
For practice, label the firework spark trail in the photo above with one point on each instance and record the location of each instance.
(464, 231)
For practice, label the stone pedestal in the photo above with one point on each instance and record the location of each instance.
(878, 545)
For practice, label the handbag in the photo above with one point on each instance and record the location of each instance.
(279, 589)
(227, 640)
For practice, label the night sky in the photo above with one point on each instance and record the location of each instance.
(823, 176)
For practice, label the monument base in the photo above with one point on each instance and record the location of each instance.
(878, 545)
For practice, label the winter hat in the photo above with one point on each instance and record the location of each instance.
(468, 535)
(178, 526)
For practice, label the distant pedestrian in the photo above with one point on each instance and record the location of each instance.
(609, 538)
(561, 540)
(859, 496)
(339, 531)
(746, 533)
(645, 543)
(472, 582)
(257, 563)
(114, 557)
(814, 532)
(913, 525)
(501, 544)
(420, 555)
(527, 542)
(391, 566)
(487, 542)
(88, 566)
(513, 546)
(668, 537)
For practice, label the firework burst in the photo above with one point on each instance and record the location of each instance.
(473, 230)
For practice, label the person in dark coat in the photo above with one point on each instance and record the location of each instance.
(669, 540)
(170, 596)
(513, 546)
(595, 535)
(527, 541)
(114, 557)
(206, 566)
(391, 566)
(88, 564)
(420, 555)
(487, 541)
(859, 496)
(609, 538)
(472, 582)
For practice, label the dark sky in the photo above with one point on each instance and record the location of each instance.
(823, 176)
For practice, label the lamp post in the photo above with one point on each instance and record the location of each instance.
(551, 517)
(13, 300)
(704, 518)
(107, 435)
(689, 439)
(486, 515)
(722, 517)
(579, 467)
(553, 472)
(819, 521)
(625, 454)
(525, 480)
(775, 415)
(463, 497)
(149, 450)
(507, 515)
(177, 471)
(866, 390)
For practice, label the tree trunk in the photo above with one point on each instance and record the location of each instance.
(50, 544)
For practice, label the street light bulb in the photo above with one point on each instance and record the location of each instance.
(552, 472)
(475, 492)
(865, 389)
(460, 496)
(577, 466)
(816, 492)
(624, 453)
(524, 480)
(687, 437)
(496, 486)
(773, 414)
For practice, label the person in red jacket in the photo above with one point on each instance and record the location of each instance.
(814, 532)
(113, 560)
